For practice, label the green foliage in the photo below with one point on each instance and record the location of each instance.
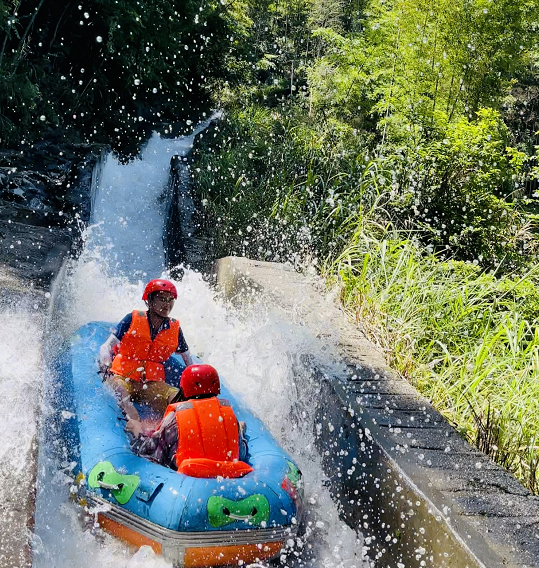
(460, 190)
(242, 175)
(416, 59)
(392, 169)
(277, 186)
(112, 70)
(468, 340)
(17, 91)
(431, 96)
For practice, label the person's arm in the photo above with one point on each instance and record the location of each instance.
(106, 351)
(244, 449)
(145, 446)
(183, 349)
(159, 446)
(187, 359)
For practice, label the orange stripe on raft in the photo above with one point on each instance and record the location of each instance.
(199, 557)
(126, 534)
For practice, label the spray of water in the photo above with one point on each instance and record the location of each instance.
(259, 355)
(20, 377)
(20, 334)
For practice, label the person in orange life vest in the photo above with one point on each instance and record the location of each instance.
(199, 436)
(132, 358)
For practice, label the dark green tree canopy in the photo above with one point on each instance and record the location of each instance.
(108, 68)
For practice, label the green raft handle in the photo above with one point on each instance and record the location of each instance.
(109, 486)
(122, 486)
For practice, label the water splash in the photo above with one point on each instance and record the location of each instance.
(20, 378)
(260, 355)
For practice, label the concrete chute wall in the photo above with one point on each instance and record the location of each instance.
(420, 494)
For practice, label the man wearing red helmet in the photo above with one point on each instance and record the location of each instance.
(199, 436)
(134, 356)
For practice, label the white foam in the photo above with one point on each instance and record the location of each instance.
(20, 379)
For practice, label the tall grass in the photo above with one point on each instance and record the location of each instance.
(467, 340)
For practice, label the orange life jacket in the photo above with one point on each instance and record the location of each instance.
(208, 439)
(141, 359)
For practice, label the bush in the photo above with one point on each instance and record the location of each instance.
(460, 190)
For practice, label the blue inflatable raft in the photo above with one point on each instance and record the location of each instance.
(190, 521)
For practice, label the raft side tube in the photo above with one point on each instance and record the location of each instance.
(191, 548)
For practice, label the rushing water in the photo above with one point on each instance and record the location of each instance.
(20, 378)
(258, 354)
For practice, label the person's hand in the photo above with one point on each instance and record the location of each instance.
(104, 370)
(105, 356)
(134, 426)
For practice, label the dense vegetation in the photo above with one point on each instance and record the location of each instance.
(392, 145)
(107, 71)
(389, 143)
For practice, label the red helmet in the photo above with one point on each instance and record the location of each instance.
(157, 285)
(200, 379)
